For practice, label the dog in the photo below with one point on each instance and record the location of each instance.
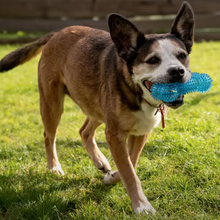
(109, 75)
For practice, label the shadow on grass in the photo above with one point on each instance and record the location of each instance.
(69, 143)
(37, 196)
(74, 144)
(152, 148)
(29, 194)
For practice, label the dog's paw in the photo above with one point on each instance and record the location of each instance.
(146, 208)
(57, 169)
(102, 163)
(111, 177)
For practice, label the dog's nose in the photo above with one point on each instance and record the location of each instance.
(176, 73)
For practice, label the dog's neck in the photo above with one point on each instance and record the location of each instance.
(154, 106)
(159, 108)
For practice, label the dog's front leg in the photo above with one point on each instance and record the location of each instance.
(135, 146)
(117, 144)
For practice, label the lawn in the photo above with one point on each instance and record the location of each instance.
(179, 167)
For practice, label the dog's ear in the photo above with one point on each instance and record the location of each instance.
(183, 26)
(125, 35)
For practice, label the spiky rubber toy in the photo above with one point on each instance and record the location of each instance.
(169, 92)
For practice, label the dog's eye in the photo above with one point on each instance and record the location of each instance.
(153, 60)
(181, 56)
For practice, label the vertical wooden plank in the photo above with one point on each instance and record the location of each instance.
(132, 8)
(70, 8)
(105, 7)
(46, 8)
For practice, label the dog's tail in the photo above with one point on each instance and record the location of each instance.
(23, 54)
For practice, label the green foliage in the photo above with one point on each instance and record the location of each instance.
(179, 167)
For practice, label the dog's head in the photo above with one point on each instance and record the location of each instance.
(161, 58)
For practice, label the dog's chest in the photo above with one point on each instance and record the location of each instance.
(146, 120)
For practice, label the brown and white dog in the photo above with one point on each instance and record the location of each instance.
(109, 76)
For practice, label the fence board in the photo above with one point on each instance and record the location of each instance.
(70, 9)
(200, 6)
(47, 25)
(49, 15)
(146, 26)
(104, 7)
(164, 7)
(207, 36)
(163, 25)
(28, 9)
(99, 8)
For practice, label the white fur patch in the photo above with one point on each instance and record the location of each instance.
(146, 120)
(57, 169)
(111, 177)
(145, 207)
(168, 54)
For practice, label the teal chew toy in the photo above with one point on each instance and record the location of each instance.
(169, 92)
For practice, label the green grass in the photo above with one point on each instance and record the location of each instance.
(179, 167)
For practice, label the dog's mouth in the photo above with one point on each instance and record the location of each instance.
(175, 104)
(148, 85)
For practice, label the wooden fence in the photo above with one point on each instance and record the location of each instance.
(150, 16)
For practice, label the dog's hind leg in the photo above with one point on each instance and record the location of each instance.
(135, 146)
(51, 107)
(87, 133)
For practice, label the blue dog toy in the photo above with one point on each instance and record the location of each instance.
(171, 91)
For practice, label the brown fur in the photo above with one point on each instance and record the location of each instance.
(96, 73)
